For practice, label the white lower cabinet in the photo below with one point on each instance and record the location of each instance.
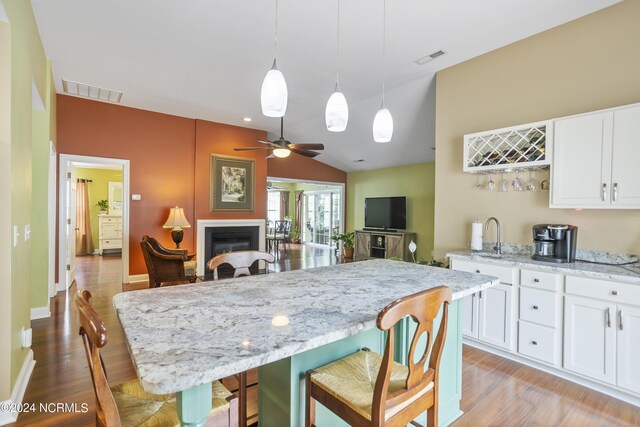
(537, 341)
(628, 348)
(589, 338)
(494, 325)
(470, 316)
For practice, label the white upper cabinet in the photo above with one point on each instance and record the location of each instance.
(595, 160)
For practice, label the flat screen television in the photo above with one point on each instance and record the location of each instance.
(385, 212)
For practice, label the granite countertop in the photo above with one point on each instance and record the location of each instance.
(183, 336)
(626, 273)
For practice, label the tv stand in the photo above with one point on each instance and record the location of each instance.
(380, 243)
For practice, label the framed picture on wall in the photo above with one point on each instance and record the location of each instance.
(232, 184)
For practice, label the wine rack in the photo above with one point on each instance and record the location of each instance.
(517, 147)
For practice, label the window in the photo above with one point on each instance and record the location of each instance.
(273, 207)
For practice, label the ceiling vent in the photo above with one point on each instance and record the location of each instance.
(429, 58)
(93, 92)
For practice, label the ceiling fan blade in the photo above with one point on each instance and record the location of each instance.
(270, 156)
(307, 146)
(267, 142)
(251, 148)
(303, 152)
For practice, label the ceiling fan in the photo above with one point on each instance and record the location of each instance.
(282, 148)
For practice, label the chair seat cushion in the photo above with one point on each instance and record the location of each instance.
(139, 408)
(190, 268)
(352, 380)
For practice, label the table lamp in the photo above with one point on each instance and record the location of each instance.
(177, 222)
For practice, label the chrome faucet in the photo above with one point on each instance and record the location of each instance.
(498, 246)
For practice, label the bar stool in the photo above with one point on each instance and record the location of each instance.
(369, 389)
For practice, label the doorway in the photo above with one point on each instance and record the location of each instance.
(93, 217)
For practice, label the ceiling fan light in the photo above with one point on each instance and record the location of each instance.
(383, 126)
(281, 152)
(274, 94)
(337, 112)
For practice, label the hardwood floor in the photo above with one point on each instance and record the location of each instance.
(496, 391)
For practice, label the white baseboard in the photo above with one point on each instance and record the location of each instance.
(18, 391)
(134, 278)
(40, 312)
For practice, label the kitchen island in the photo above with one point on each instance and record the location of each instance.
(182, 338)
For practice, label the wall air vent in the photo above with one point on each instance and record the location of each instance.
(429, 58)
(93, 92)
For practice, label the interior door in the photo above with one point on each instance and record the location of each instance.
(625, 173)
(628, 368)
(71, 224)
(495, 316)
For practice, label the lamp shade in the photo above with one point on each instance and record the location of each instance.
(176, 219)
(383, 126)
(274, 94)
(337, 112)
(281, 152)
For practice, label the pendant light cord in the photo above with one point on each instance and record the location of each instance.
(384, 45)
(338, 51)
(275, 54)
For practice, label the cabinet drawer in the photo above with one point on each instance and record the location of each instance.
(505, 274)
(538, 306)
(536, 341)
(111, 243)
(540, 279)
(603, 289)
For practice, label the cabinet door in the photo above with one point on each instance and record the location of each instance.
(362, 245)
(589, 338)
(394, 246)
(628, 368)
(495, 316)
(581, 170)
(110, 230)
(625, 172)
(470, 316)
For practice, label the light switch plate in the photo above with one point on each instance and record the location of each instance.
(136, 197)
(16, 235)
(27, 232)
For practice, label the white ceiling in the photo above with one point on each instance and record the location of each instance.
(206, 59)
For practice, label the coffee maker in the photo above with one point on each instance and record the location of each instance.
(554, 242)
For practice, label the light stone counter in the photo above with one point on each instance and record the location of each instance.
(623, 273)
(184, 336)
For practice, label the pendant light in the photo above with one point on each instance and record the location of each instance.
(383, 122)
(337, 112)
(274, 94)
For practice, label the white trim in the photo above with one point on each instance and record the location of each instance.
(60, 287)
(135, 278)
(19, 389)
(52, 220)
(40, 312)
(204, 223)
(65, 159)
(557, 371)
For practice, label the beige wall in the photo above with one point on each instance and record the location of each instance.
(588, 64)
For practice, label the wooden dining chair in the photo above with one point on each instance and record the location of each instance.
(127, 404)
(241, 261)
(397, 394)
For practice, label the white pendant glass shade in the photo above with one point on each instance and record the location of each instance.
(274, 94)
(281, 152)
(337, 112)
(383, 126)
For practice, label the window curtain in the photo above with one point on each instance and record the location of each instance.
(284, 204)
(84, 242)
(298, 206)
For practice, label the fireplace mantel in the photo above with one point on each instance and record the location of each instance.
(202, 224)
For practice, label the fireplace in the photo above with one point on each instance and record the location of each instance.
(215, 237)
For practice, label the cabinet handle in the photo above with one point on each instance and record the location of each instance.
(534, 342)
(615, 191)
(477, 271)
(620, 317)
(608, 317)
(480, 294)
(535, 307)
(614, 292)
(604, 192)
(536, 280)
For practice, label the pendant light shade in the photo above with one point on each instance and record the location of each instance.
(274, 94)
(337, 112)
(383, 125)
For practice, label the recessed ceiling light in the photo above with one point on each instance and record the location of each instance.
(429, 58)
(94, 92)
(246, 119)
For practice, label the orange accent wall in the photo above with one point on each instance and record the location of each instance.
(304, 168)
(169, 163)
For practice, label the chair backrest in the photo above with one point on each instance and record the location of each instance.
(94, 337)
(147, 244)
(423, 308)
(241, 261)
(282, 227)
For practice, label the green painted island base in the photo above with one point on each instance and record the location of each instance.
(281, 384)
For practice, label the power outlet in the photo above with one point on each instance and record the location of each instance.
(27, 335)
(27, 232)
(16, 236)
